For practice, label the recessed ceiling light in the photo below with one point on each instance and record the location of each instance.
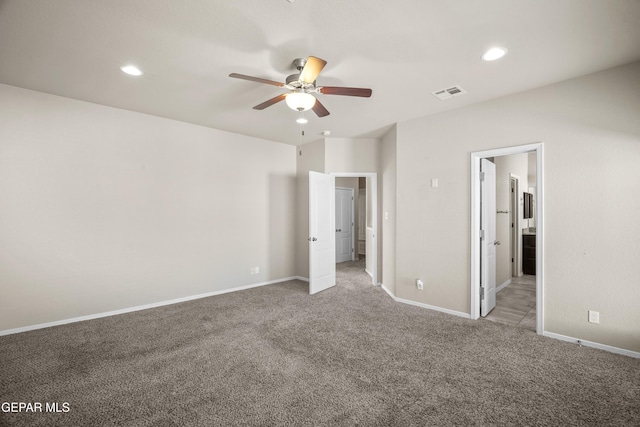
(132, 70)
(494, 53)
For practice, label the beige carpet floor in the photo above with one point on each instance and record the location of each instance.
(275, 356)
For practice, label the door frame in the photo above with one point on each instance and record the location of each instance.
(353, 221)
(374, 215)
(537, 148)
(515, 232)
(488, 223)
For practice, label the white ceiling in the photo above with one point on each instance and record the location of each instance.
(402, 49)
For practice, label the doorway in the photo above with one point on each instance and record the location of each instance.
(322, 248)
(368, 222)
(514, 214)
(476, 226)
(345, 224)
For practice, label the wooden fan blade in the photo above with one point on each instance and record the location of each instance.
(311, 69)
(270, 102)
(255, 79)
(348, 91)
(319, 109)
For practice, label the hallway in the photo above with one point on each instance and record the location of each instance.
(516, 303)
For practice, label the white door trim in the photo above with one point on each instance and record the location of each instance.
(488, 241)
(374, 214)
(537, 148)
(515, 233)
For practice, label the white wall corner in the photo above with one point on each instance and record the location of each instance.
(388, 291)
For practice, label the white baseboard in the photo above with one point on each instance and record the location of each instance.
(599, 346)
(504, 285)
(433, 307)
(585, 343)
(430, 307)
(387, 291)
(143, 307)
(573, 340)
(368, 272)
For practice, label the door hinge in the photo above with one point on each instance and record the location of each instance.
(481, 293)
(481, 176)
(481, 234)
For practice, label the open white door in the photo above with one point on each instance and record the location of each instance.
(488, 241)
(322, 257)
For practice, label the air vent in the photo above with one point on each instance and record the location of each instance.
(449, 93)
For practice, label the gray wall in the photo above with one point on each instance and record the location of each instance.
(105, 209)
(591, 132)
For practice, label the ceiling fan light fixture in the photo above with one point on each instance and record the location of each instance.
(300, 101)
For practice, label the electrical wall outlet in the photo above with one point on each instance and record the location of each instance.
(420, 284)
(253, 270)
(257, 270)
(594, 316)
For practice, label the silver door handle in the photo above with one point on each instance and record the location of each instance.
(338, 230)
(496, 242)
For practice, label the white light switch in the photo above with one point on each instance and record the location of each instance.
(434, 182)
(386, 215)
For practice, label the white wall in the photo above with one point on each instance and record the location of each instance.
(352, 155)
(105, 209)
(591, 132)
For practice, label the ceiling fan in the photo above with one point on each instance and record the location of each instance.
(302, 85)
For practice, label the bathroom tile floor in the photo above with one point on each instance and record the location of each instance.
(516, 303)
